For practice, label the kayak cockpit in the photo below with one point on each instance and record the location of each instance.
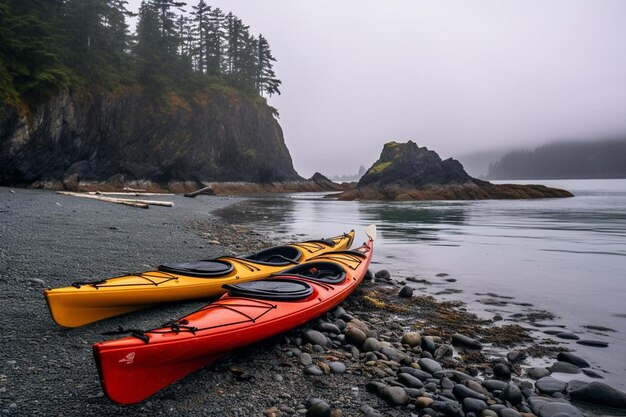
(271, 289)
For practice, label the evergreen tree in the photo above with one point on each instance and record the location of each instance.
(266, 78)
(201, 30)
(31, 52)
(215, 42)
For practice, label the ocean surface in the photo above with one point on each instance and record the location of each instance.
(563, 256)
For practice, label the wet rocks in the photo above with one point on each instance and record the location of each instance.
(567, 336)
(512, 394)
(355, 336)
(548, 385)
(411, 338)
(564, 367)
(465, 341)
(573, 359)
(317, 338)
(383, 274)
(551, 407)
(461, 391)
(427, 344)
(410, 381)
(371, 345)
(429, 365)
(318, 408)
(599, 393)
(406, 292)
(394, 395)
(313, 370)
(473, 405)
(515, 356)
(305, 359)
(593, 343)
(501, 371)
(537, 372)
(337, 367)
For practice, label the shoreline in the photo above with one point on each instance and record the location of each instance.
(50, 370)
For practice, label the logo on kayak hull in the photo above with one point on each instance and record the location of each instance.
(128, 359)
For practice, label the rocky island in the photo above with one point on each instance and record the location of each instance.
(405, 171)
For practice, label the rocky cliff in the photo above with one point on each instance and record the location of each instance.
(405, 171)
(128, 136)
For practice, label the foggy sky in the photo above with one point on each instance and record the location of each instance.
(456, 76)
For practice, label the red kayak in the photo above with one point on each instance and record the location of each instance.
(133, 368)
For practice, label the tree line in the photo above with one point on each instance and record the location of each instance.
(50, 45)
(597, 159)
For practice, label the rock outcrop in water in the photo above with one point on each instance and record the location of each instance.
(405, 171)
(131, 136)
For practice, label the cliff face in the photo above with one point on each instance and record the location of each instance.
(130, 135)
(405, 171)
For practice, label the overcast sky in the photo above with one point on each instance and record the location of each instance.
(456, 76)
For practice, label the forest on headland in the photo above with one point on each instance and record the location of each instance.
(564, 160)
(47, 46)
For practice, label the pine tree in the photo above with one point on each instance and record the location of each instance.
(266, 78)
(215, 42)
(201, 29)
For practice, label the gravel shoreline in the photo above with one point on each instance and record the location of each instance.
(374, 344)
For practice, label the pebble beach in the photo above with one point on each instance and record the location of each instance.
(386, 351)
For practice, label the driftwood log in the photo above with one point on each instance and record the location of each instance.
(205, 190)
(126, 202)
(125, 193)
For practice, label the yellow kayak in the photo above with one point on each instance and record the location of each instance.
(86, 302)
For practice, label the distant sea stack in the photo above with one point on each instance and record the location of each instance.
(129, 135)
(405, 171)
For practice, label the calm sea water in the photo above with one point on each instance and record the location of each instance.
(566, 256)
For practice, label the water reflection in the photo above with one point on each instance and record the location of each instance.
(414, 221)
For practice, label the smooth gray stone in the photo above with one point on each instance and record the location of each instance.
(516, 356)
(316, 338)
(448, 408)
(552, 407)
(462, 340)
(599, 393)
(371, 345)
(337, 367)
(494, 384)
(328, 327)
(305, 359)
(592, 374)
(573, 359)
(313, 370)
(383, 274)
(374, 386)
(406, 292)
(537, 373)
(369, 411)
(429, 365)
(512, 394)
(428, 345)
(564, 367)
(548, 385)
(461, 391)
(501, 371)
(567, 335)
(319, 409)
(355, 336)
(593, 343)
(509, 412)
(393, 354)
(410, 380)
(473, 405)
(417, 373)
(394, 395)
